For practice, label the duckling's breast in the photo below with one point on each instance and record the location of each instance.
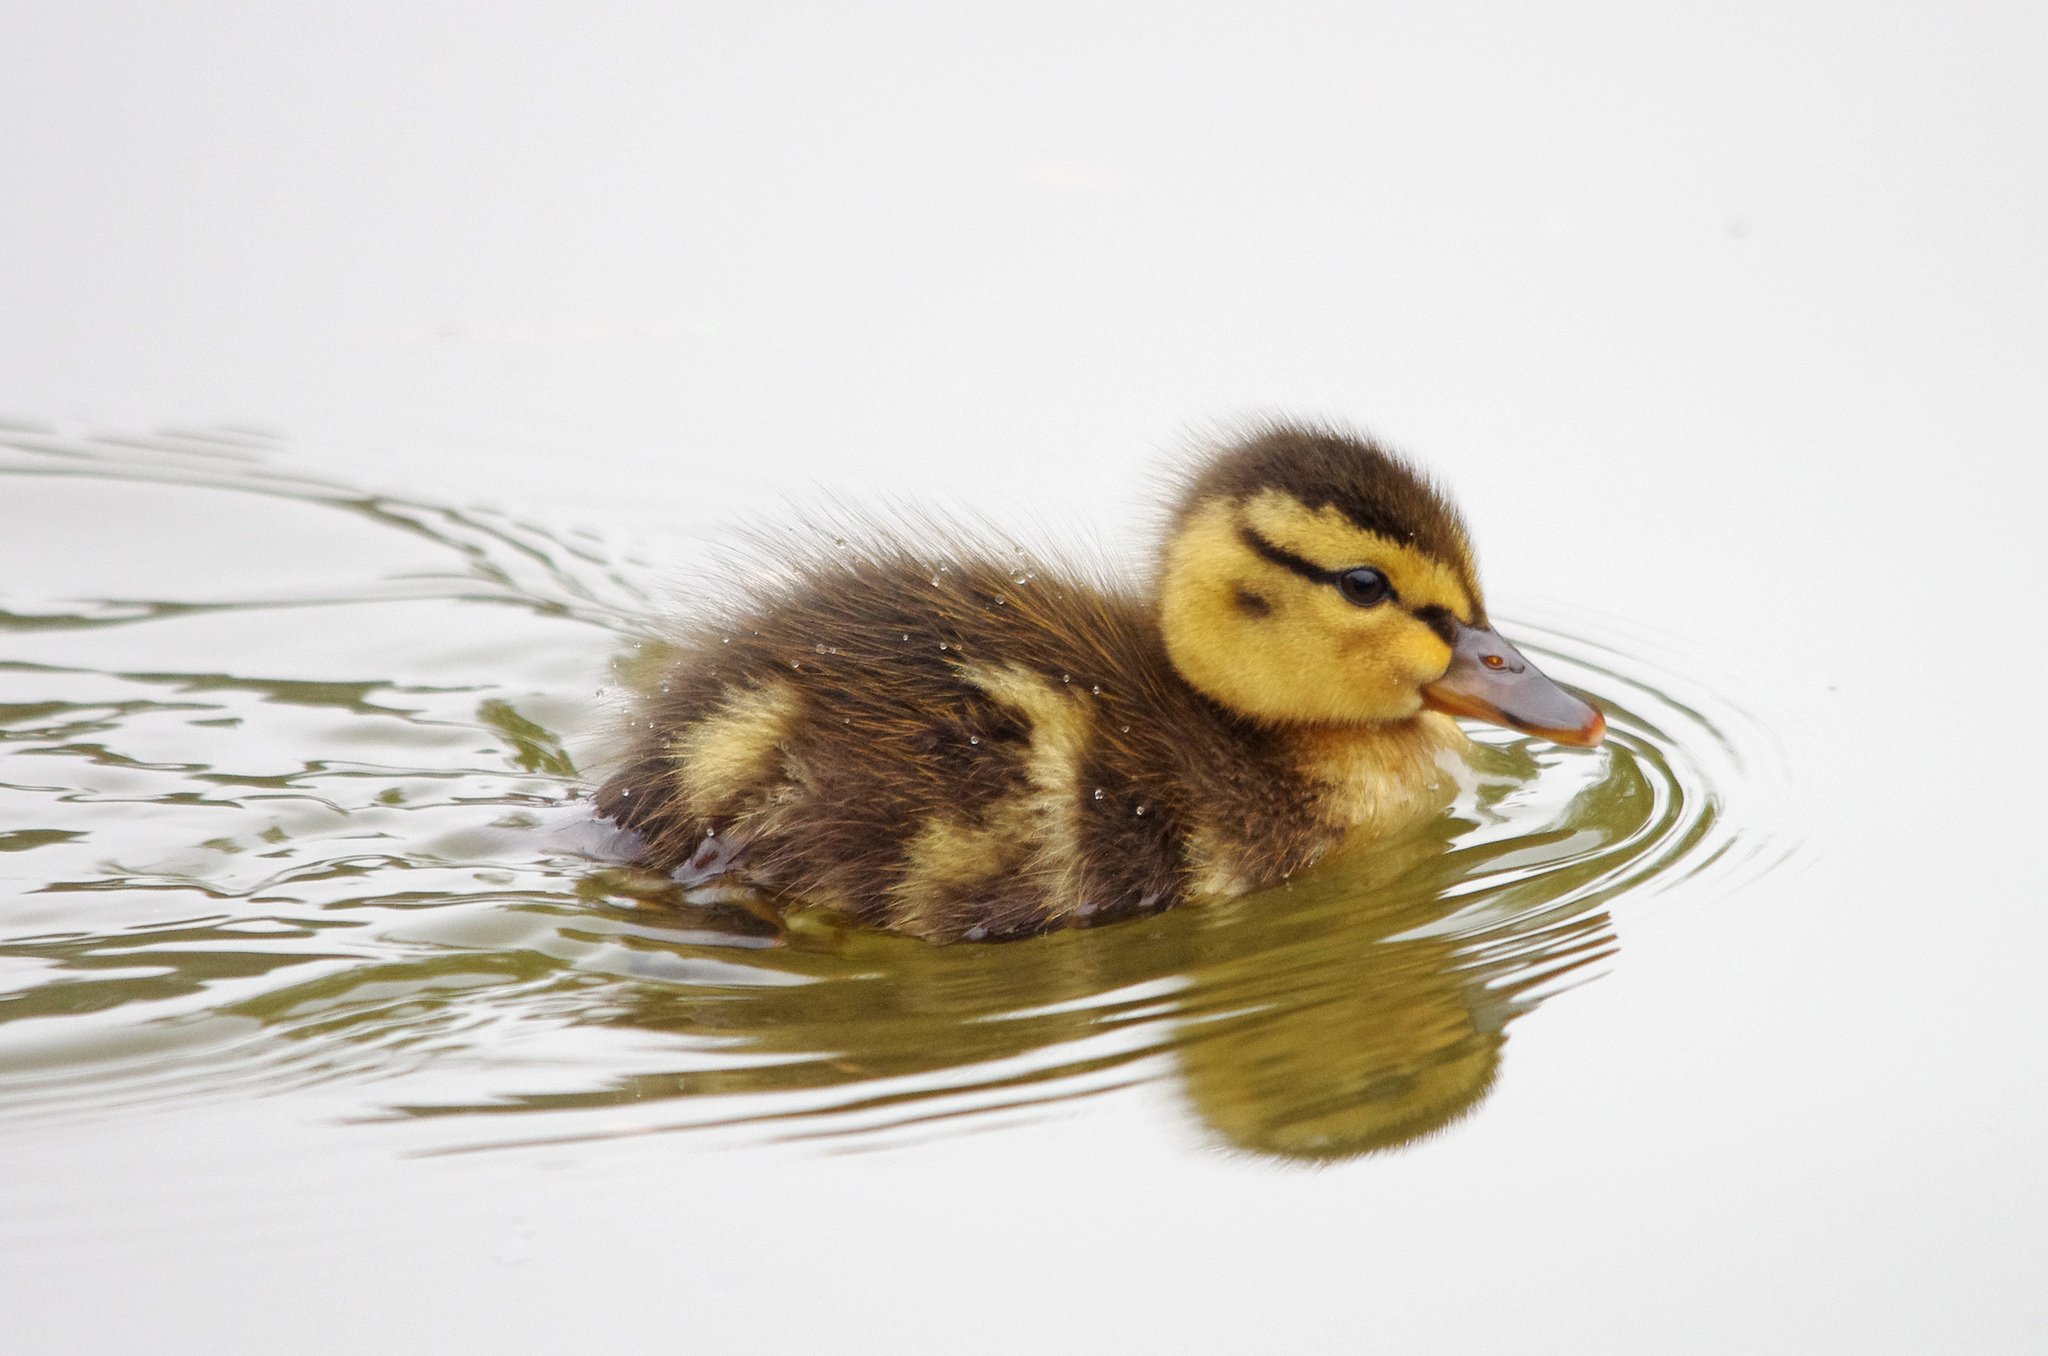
(1376, 780)
(1299, 796)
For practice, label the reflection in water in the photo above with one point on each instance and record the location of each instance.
(286, 819)
(1374, 1037)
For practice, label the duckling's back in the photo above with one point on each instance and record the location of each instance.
(975, 749)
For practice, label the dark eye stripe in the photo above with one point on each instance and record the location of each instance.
(1436, 617)
(1285, 559)
(1439, 619)
(1307, 569)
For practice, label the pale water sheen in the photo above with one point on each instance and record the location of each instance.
(290, 775)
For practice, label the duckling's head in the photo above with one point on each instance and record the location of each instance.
(1310, 577)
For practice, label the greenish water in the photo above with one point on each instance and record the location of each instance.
(290, 775)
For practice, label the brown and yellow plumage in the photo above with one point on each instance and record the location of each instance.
(970, 745)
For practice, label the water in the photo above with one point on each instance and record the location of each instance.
(302, 809)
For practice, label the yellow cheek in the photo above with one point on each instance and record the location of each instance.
(1408, 652)
(1388, 655)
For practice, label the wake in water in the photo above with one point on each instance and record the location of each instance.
(289, 801)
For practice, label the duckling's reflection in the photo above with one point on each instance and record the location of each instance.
(1351, 1011)
(1384, 1029)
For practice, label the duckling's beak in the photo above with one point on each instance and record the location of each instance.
(1490, 680)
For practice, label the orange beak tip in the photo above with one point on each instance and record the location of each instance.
(1586, 736)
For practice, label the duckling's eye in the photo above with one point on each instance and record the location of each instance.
(1364, 586)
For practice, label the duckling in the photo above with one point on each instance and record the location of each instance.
(961, 744)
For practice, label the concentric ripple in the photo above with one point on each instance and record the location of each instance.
(288, 804)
